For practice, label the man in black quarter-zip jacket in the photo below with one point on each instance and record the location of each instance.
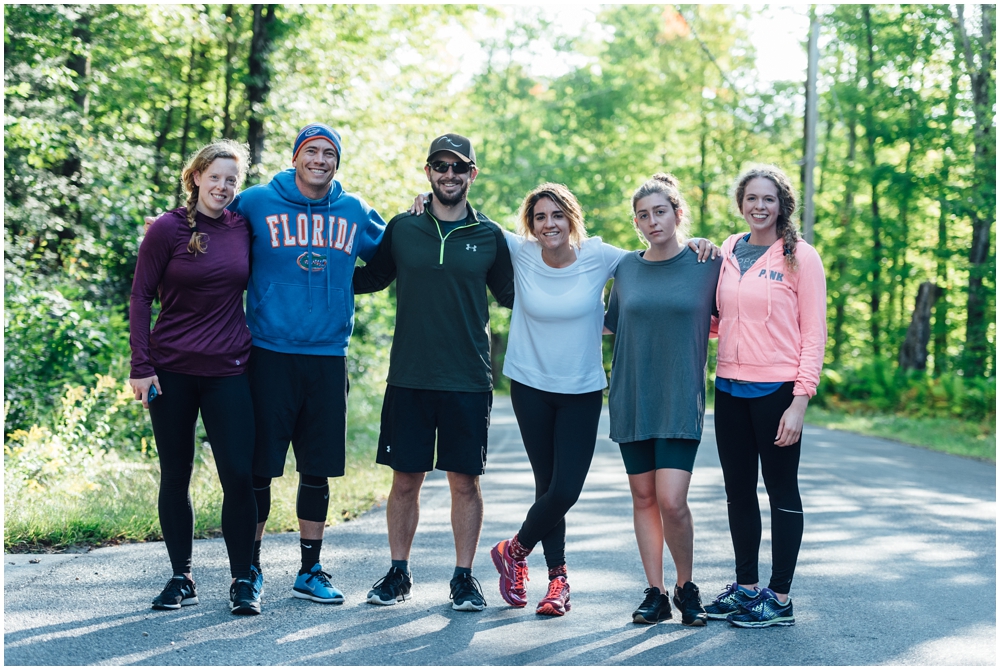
(440, 386)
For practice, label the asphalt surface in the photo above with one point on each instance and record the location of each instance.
(898, 567)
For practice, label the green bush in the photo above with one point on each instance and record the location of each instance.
(53, 339)
(882, 386)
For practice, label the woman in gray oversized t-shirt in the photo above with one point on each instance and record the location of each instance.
(660, 311)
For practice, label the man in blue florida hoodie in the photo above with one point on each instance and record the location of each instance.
(306, 235)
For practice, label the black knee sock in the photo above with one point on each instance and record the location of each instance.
(310, 554)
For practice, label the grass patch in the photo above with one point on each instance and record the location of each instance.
(107, 498)
(951, 436)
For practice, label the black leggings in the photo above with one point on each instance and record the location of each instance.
(227, 412)
(745, 430)
(559, 431)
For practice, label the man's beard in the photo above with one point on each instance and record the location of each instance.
(450, 201)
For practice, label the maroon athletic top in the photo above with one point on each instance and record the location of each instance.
(201, 329)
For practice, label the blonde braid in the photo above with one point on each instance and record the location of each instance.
(199, 241)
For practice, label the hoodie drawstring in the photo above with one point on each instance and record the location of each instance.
(309, 254)
(329, 237)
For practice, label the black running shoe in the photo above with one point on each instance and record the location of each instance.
(178, 592)
(243, 598)
(391, 589)
(466, 594)
(655, 607)
(688, 601)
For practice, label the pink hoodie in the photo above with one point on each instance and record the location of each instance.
(772, 322)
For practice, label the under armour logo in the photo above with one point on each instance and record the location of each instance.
(387, 448)
(470, 247)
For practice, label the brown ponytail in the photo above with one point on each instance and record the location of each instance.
(198, 164)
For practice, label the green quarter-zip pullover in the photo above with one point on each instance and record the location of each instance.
(442, 336)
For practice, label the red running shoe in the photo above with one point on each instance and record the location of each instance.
(513, 574)
(556, 601)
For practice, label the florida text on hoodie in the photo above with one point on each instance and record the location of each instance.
(299, 298)
(772, 320)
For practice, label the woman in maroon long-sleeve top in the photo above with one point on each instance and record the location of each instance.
(197, 260)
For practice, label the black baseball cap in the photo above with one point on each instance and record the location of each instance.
(456, 144)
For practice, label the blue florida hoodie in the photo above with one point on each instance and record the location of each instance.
(300, 299)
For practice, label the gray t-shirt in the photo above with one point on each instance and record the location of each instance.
(660, 312)
(747, 254)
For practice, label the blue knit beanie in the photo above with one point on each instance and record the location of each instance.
(315, 131)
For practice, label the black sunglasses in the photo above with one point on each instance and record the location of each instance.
(458, 167)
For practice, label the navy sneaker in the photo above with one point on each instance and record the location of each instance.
(764, 611)
(315, 586)
(178, 592)
(688, 601)
(730, 601)
(466, 594)
(242, 599)
(655, 607)
(391, 589)
(257, 581)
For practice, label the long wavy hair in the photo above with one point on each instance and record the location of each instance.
(564, 200)
(785, 227)
(198, 164)
(669, 187)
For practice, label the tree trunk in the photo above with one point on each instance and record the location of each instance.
(186, 128)
(159, 165)
(811, 121)
(983, 206)
(877, 253)
(227, 119)
(913, 353)
(259, 82)
(843, 254)
(942, 253)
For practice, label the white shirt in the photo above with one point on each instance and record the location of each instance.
(555, 328)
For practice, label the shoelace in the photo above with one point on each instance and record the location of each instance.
(728, 591)
(650, 597)
(393, 579)
(520, 574)
(556, 587)
(465, 584)
(244, 590)
(174, 588)
(323, 577)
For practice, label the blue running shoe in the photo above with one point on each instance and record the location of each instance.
(315, 586)
(764, 611)
(730, 601)
(257, 581)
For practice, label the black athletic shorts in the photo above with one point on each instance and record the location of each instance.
(410, 419)
(301, 399)
(659, 453)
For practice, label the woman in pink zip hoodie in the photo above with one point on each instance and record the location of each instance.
(771, 299)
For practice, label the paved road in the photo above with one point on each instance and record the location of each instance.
(897, 567)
